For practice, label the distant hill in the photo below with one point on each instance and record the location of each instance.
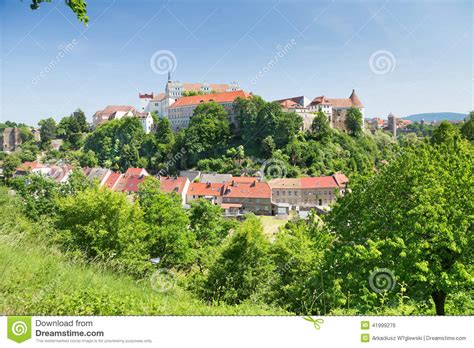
(436, 116)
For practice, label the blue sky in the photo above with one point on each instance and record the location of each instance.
(403, 57)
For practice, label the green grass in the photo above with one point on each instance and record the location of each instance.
(271, 224)
(37, 279)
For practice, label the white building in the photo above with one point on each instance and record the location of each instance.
(181, 111)
(175, 90)
(116, 112)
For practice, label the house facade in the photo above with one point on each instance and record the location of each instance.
(334, 108)
(175, 90)
(116, 112)
(181, 111)
(308, 192)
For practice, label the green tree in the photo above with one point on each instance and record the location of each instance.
(268, 147)
(79, 7)
(10, 164)
(117, 143)
(169, 237)
(88, 159)
(104, 225)
(208, 133)
(38, 193)
(467, 129)
(320, 125)
(76, 182)
(209, 227)
(354, 121)
(299, 252)
(244, 269)
(414, 218)
(47, 131)
(445, 133)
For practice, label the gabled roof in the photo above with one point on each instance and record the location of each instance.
(288, 103)
(248, 190)
(334, 181)
(284, 183)
(133, 182)
(170, 184)
(204, 189)
(352, 101)
(112, 180)
(30, 165)
(215, 178)
(110, 110)
(226, 97)
(136, 171)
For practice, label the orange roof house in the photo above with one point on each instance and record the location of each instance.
(225, 97)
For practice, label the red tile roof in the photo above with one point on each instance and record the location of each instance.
(341, 179)
(288, 103)
(172, 184)
(352, 101)
(29, 165)
(133, 182)
(244, 190)
(112, 180)
(334, 181)
(112, 109)
(204, 189)
(244, 179)
(225, 97)
(136, 171)
(196, 87)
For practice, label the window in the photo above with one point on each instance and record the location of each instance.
(278, 193)
(289, 193)
(320, 202)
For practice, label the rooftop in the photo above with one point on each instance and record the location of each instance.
(216, 97)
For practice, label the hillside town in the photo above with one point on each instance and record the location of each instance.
(235, 195)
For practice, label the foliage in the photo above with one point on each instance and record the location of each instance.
(445, 133)
(320, 125)
(467, 129)
(10, 164)
(298, 253)
(48, 132)
(259, 119)
(79, 7)
(53, 283)
(209, 228)
(414, 218)
(244, 269)
(104, 225)
(354, 121)
(208, 132)
(168, 235)
(38, 193)
(117, 143)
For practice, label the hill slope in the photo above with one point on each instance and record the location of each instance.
(37, 279)
(436, 116)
